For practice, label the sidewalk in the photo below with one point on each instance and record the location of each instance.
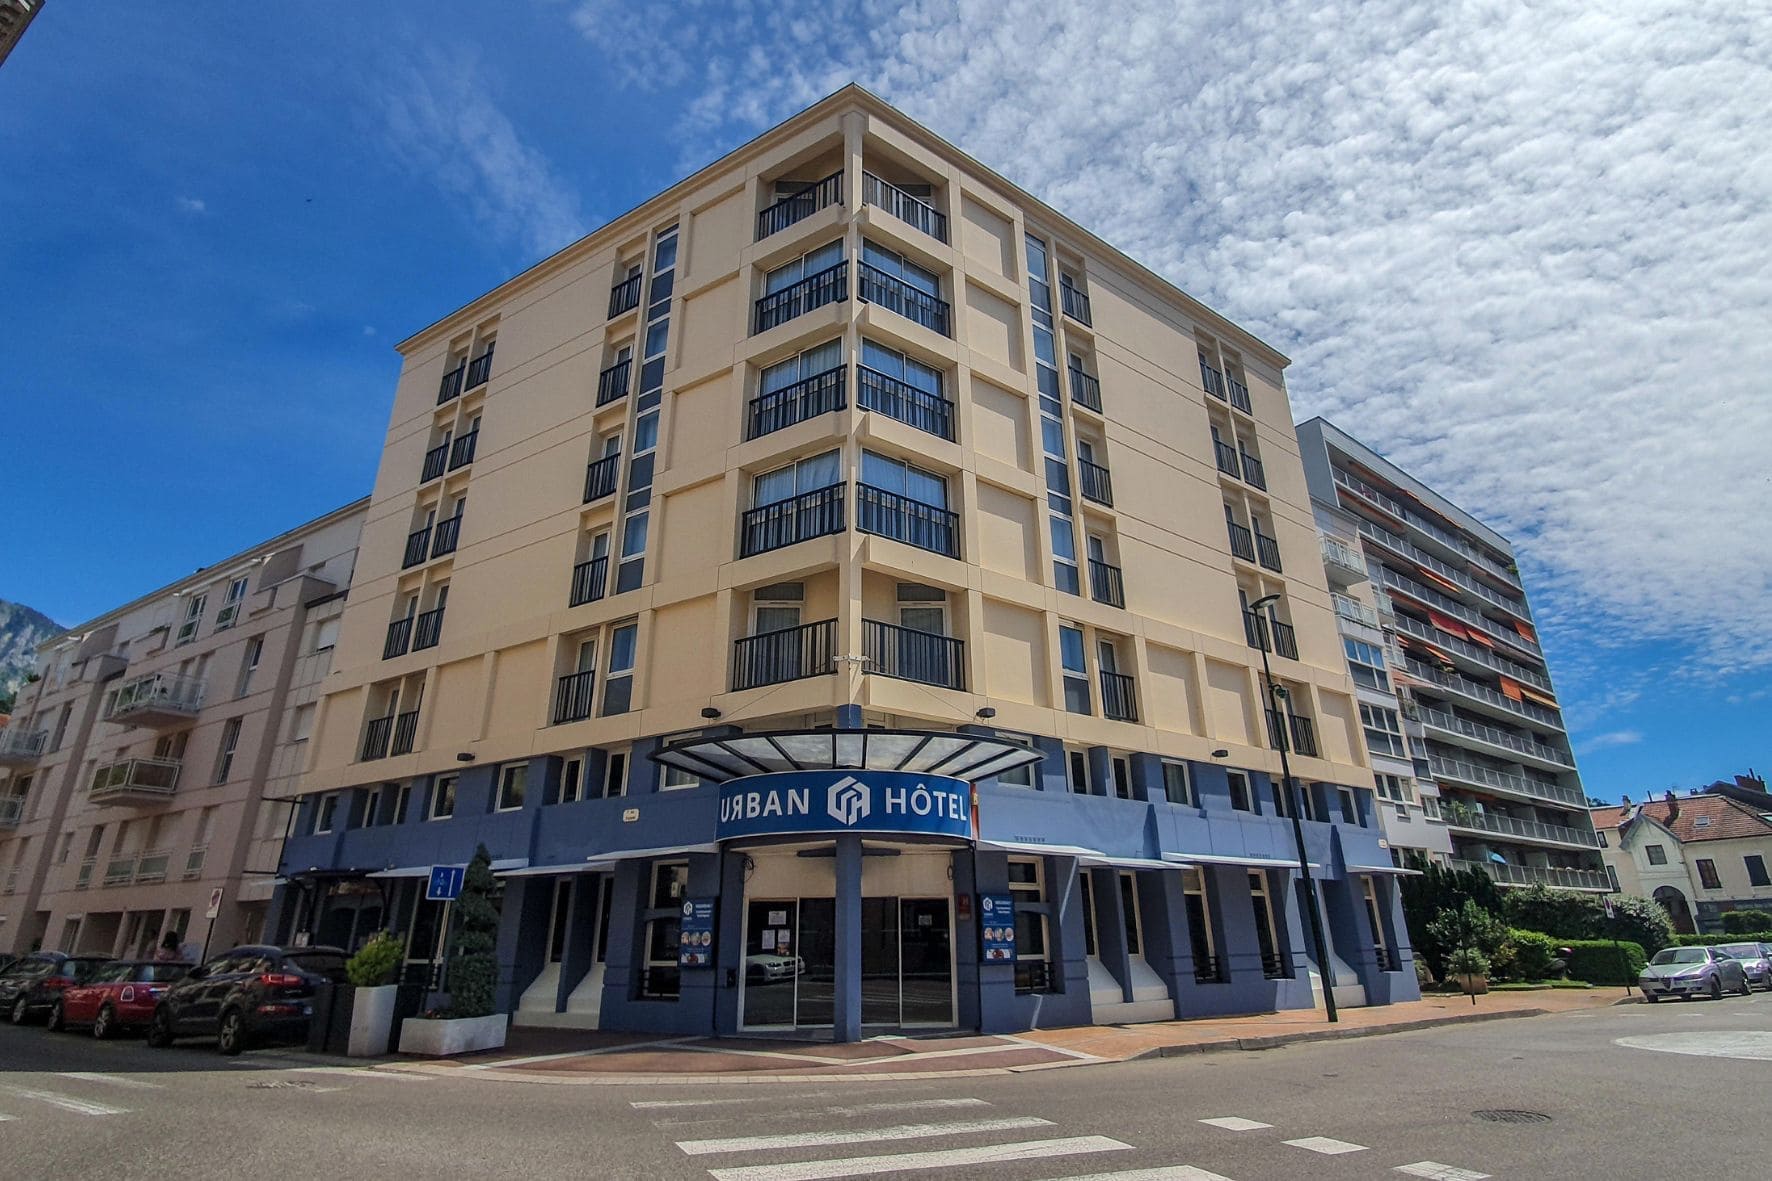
(584, 1057)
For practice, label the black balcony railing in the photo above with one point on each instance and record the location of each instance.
(1304, 734)
(1268, 551)
(1076, 304)
(786, 522)
(887, 514)
(479, 369)
(1274, 966)
(375, 738)
(436, 459)
(1253, 472)
(1085, 389)
(448, 534)
(1212, 379)
(399, 638)
(830, 285)
(1239, 394)
(600, 477)
(590, 580)
(450, 386)
(903, 206)
(428, 630)
(905, 402)
(405, 733)
(624, 296)
(809, 397)
(1226, 457)
(894, 294)
(461, 453)
(1242, 541)
(1285, 640)
(572, 696)
(1096, 483)
(801, 205)
(771, 658)
(1119, 700)
(1207, 970)
(1276, 728)
(1032, 976)
(911, 655)
(418, 547)
(612, 383)
(1106, 584)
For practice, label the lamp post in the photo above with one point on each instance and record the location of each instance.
(1276, 709)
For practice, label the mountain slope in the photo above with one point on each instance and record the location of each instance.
(21, 630)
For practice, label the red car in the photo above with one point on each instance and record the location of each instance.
(118, 996)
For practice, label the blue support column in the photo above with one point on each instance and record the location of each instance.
(846, 1016)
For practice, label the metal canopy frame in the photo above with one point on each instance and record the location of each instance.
(971, 757)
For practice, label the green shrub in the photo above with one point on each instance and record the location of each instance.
(1467, 961)
(1468, 926)
(1440, 888)
(1424, 975)
(1747, 922)
(1601, 961)
(1571, 914)
(376, 961)
(473, 966)
(1533, 953)
(1642, 921)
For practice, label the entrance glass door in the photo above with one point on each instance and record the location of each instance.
(790, 962)
(926, 962)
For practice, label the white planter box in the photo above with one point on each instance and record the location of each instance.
(372, 1021)
(456, 1035)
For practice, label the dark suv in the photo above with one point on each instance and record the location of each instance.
(30, 985)
(248, 995)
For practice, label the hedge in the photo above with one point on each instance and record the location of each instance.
(1716, 940)
(1748, 922)
(1596, 961)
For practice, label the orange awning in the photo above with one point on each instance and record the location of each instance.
(1447, 625)
(1445, 582)
(1511, 688)
(1478, 637)
(1526, 630)
(1540, 698)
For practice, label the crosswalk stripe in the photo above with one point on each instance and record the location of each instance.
(362, 1072)
(1236, 1123)
(654, 1104)
(898, 1162)
(905, 1105)
(115, 1080)
(1160, 1173)
(860, 1136)
(1326, 1145)
(1435, 1171)
(65, 1102)
(4, 1116)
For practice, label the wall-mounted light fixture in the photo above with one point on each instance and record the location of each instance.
(709, 712)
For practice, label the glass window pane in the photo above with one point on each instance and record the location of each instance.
(633, 536)
(777, 376)
(875, 256)
(882, 359)
(1064, 541)
(1052, 436)
(825, 256)
(646, 432)
(664, 255)
(1070, 646)
(826, 356)
(922, 376)
(656, 336)
(621, 648)
(926, 487)
(780, 277)
(820, 471)
(882, 473)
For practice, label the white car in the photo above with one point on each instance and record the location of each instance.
(765, 968)
(1692, 971)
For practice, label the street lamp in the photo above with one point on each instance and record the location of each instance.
(1276, 703)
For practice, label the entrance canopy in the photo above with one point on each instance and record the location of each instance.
(916, 752)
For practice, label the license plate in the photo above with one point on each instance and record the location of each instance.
(307, 1010)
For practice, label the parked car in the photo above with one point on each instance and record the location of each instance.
(766, 969)
(1756, 961)
(120, 995)
(30, 985)
(247, 996)
(1693, 971)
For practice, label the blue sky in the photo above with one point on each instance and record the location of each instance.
(1518, 249)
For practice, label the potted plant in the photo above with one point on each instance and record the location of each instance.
(1470, 968)
(467, 1023)
(374, 995)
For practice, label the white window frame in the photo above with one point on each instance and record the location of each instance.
(1188, 798)
(507, 774)
(1232, 778)
(443, 787)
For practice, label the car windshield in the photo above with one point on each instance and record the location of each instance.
(1680, 955)
(30, 969)
(329, 964)
(1747, 951)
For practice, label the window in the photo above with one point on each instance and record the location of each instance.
(1027, 887)
(1374, 914)
(371, 808)
(443, 797)
(1384, 733)
(618, 684)
(513, 782)
(822, 259)
(325, 813)
(1178, 787)
(1199, 926)
(301, 722)
(1756, 870)
(615, 775)
(1394, 788)
(897, 476)
(901, 367)
(255, 650)
(1240, 798)
(659, 977)
(1086, 897)
(325, 635)
(1077, 764)
(675, 779)
(811, 363)
(808, 475)
(1022, 776)
(187, 630)
(1604, 843)
(1707, 874)
(1122, 772)
(1350, 807)
(230, 741)
(1366, 662)
(572, 787)
(1656, 854)
(1430, 807)
(402, 798)
(1266, 935)
(1076, 669)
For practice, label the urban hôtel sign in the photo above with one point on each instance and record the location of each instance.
(789, 802)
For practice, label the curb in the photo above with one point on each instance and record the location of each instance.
(1273, 1041)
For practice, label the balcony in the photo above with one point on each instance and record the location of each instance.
(450, 387)
(928, 412)
(158, 699)
(590, 580)
(926, 526)
(1267, 550)
(910, 655)
(1344, 562)
(1393, 507)
(788, 522)
(1225, 456)
(120, 870)
(1353, 610)
(1106, 584)
(1076, 303)
(19, 746)
(1212, 380)
(1096, 483)
(600, 477)
(405, 733)
(479, 370)
(436, 460)
(830, 285)
(624, 296)
(822, 393)
(1540, 875)
(376, 736)
(1239, 394)
(1399, 545)
(572, 696)
(1476, 775)
(418, 548)
(12, 811)
(134, 781)
(1475, 691)
(612, 383)
(399, 639)
(1453, 725)
(1285, 639)
(801, 205)
(1477, 653)
(1254, 474)
(1433, 598)
(895, 295)
(1471, 820)
(911, 210)
(429, 630)
(1242, 541)
(461, 453)
(151, 866)
(790, 654)
(1303, 733)
(1085, 389)
(448, 533)
(83, 879)
(1119, 697)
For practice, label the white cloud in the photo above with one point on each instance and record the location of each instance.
(1610, 739)
(192, 205)
(444, 124)
(1522, 249)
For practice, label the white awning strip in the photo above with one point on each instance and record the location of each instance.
(1242, 859)
(1394, 870)
(1036, 849)
(1110, 862)
(603, 861)
(424, 871)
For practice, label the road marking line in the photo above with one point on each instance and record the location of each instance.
(861, 1136)
(115, 1080)
(504, 1062)
(651, 1104)
(1160, 1173)
(703, 1119)
(1236, 1123)
(65, 1102)
(862, 1166)
(905, 1105)
(1435, 1171)
(4, 1116)
(362, 1072)
(1325, 1145)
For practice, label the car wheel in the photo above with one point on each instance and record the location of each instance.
(1716, 988)
(104, 1025)
(230, 1037)
(21, 1011)
(1652, 997)
(57, 1018)
(160, 1030)
(1747, 988)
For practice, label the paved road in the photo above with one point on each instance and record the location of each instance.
(1393, 1107)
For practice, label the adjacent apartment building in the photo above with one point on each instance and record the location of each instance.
(1472, 755)
(845, 626)
(1699, 855)
(149, 765)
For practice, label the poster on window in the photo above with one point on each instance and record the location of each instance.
(996, 925)
(695, 943)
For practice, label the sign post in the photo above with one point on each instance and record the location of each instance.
(214, 909)
(1623, 964)
(444, 886)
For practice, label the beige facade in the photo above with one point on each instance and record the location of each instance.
(677, 536)
(1699, 855)
(143, 768)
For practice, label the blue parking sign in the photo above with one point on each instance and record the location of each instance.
(446, 882)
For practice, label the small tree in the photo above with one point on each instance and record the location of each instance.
(376, 961)
(1470, 926)
(1440, 888)
(473, 966)
(1642, 921)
